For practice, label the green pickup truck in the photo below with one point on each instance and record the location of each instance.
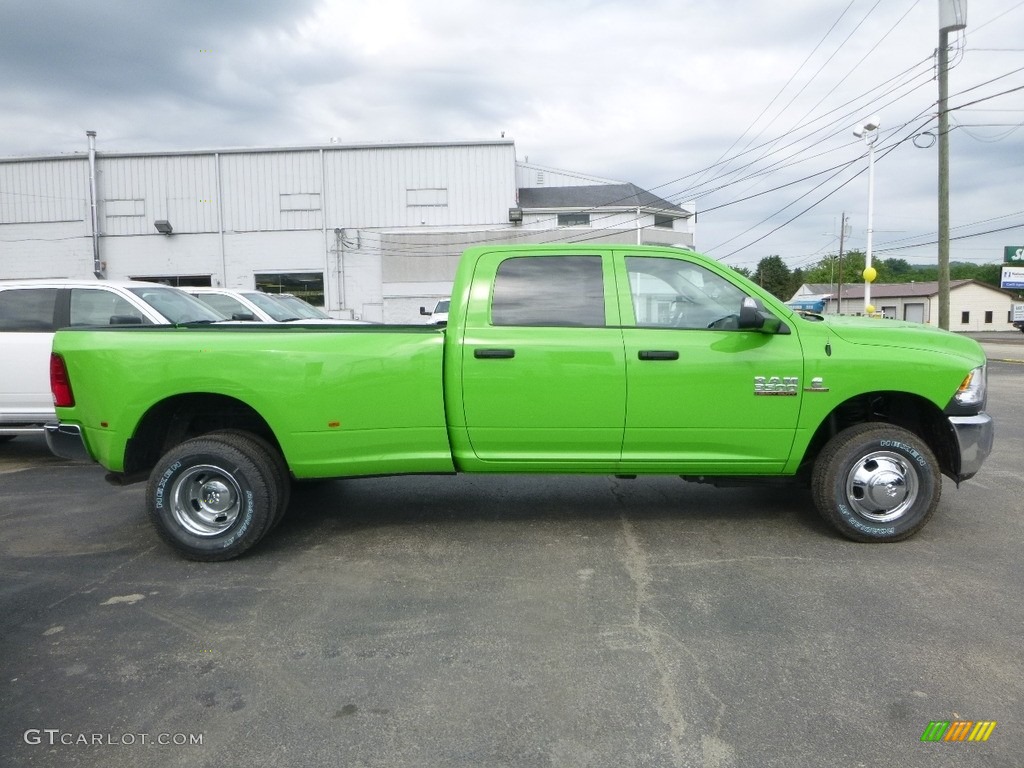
(603, 359)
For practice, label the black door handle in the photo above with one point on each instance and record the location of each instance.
(658, 354)
(493, 354)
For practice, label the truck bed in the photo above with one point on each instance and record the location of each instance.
(344, 400)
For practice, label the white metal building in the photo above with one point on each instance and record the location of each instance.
(367, 231)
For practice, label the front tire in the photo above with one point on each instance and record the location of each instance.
(876, 483)
(212, 498)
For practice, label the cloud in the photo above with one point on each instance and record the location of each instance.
(655, 93)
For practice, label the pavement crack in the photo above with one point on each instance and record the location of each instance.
(653, 641)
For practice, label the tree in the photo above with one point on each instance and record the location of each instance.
(745, 272)
(831, 271)
(774, 276)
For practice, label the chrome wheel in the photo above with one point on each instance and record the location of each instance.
(205, 500)
(882, 486)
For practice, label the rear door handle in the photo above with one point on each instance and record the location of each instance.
(493, 354)
(658, 354)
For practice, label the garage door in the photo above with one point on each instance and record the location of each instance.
(913, 312)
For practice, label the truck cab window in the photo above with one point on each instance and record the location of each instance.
(28, 309)
(100, 307)
(671, 293)
(549, 291)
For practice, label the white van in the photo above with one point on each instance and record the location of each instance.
(32, 310)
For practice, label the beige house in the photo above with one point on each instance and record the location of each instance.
(973, 305)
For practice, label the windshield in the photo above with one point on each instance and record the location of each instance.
(300, 307)
(176, 306)
(226, 305)
(442, 306)
(271, 306)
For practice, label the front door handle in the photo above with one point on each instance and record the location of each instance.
(493, 354)
(658, 354)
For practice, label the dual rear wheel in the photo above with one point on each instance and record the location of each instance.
(213, 497)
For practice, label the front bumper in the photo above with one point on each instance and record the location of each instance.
(974, 436)
(65, 440)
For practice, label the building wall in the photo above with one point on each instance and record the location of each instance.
(973, 298)
(976, 300)
(383, 224)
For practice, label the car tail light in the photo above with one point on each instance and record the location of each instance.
(60, 383)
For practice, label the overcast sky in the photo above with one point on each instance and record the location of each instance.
(706, 101)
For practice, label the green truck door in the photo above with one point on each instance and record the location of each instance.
(543, 373)
(691, 374)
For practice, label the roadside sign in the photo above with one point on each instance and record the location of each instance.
(1012, 277)
(1013, 254)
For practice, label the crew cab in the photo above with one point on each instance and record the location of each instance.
(600, 359)
(32, 310)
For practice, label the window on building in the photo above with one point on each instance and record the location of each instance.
(300, 201)
(427, 197)
(308, 286)
(663, 221)
(965, 317)
(574, 219)
(114, 208)
(178, 281)
(549, 291)
(988, 317)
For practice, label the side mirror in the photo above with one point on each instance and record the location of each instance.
(424, 311)
(751, 317)
(248, 317)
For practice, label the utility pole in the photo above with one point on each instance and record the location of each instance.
(952, 17)
(842, 242)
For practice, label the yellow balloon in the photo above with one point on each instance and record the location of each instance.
(870, 274)
(869, 309)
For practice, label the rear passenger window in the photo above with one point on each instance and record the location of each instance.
(549, 291)
(28, 309)
(95, 306)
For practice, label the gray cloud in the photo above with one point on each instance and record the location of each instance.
(649, 94)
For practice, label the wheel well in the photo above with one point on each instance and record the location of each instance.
(186, 416)
(903, 409)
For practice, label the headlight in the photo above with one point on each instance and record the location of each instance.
(972, 389)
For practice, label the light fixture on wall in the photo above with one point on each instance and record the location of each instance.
(163, 226)
(515, 215)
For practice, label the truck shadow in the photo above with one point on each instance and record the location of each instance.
(342, 507)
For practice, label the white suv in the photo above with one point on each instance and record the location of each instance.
(30, 312)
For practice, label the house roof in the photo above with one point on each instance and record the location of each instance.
(594, 196)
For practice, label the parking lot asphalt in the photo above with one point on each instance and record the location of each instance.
(512, 621)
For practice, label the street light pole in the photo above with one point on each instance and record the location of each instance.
(869, 132)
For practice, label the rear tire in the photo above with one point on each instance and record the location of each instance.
(876, 483)
(255, 445)
(212, 498)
